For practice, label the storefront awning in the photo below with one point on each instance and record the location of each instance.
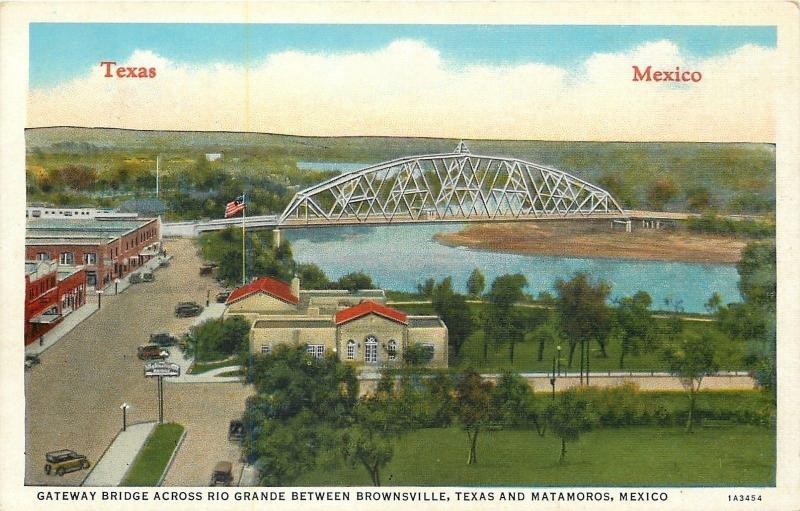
(46, 318)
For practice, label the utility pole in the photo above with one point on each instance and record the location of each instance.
(157, 169)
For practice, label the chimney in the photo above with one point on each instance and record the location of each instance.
(296, 286)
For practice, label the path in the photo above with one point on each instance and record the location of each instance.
(110, 470)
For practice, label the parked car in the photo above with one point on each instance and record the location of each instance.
(163, 339)
(151, 351)
(31, 360)
(222, 297)
(235, 431)
(221, 476)
(164, 263)
(148, 276)
(188, 309)
(207, 268)
(64, 461)
(135, 278)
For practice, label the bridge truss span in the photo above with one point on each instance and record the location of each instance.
(457, 186)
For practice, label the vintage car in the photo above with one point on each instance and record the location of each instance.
(135, 278)
(222, 296)
(151, 351)
(163, 339)
(207, 268)
(164, 263)
(221, 476)
(31, 360)
(148, 276)
(235, 431)
(64, 461)
(188, 309)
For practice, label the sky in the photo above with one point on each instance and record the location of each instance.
(475, 81)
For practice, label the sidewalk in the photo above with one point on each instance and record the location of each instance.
(63, 328)
(111, 468)
(76, 317)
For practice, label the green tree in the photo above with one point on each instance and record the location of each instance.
(417, 355)
(355, 281)
(691, 360)
(635, 325)
(512, 403)
(502, 323)
(452, 308)
(661, 192)
(754, 320)
(472, 408)
(301, 403)
(583, 312)
(312, 277)
(426, 288)
(698, 199)
(476, 283)
(214, 339)
(568, 417)
(546, 333)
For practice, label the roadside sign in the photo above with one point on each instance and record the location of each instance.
(161, 369)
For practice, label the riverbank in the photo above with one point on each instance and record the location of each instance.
(596, 240)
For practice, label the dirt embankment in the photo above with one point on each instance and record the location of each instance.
(596, 239)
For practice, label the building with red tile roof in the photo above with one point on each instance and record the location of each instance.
(358, 327)
(267, 285)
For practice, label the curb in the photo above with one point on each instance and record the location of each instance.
(171, 459)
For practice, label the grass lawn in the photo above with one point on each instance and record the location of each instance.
(730, 354)
(203, 367)
(152, 460)
(633, 456)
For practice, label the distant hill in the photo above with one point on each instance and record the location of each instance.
(732, 173)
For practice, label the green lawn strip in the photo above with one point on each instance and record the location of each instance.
(203, 367)
(237, 372)
(631, 456)
(152, 459)
(526, 354)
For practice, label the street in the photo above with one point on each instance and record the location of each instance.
(73, 398)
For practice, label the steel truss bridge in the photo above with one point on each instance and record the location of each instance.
(452, 187)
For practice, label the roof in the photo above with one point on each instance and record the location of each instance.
(275, 288)
(294, 323)
(86, 230)
(369, 307)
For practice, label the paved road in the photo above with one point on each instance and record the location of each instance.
(72, 398)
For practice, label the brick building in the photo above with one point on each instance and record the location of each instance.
(106, 248)
(52, 292)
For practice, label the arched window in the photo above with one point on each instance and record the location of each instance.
(391, 350)
(371, 350)
(351, 349)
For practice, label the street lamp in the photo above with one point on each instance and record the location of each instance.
(559, 360)
(124, 407)
(99, 297)
(553, 378)
(116, 286)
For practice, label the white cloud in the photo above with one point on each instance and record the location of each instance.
(407, 89)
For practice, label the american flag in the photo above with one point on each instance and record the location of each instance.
(236, 205)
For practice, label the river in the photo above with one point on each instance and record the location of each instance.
(399, 257)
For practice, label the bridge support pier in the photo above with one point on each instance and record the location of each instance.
(276, 237)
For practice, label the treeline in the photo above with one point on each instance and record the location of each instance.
(263, 258)
(191, 186)
(307, 413)
(710, 223)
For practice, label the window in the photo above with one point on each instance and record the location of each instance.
(316, 350)
(90, 258)
(67, 258)
(43, 256)
(266, 349)
(371, 350)
(351, 349)
(392, 350)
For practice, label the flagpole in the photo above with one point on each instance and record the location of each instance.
(244, 268)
